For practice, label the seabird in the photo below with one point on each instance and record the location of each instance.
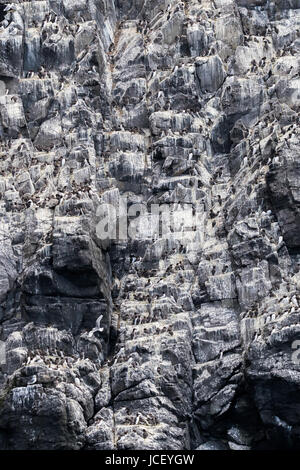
(32, 380)
(77, 382)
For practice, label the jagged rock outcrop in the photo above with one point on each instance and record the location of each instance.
(157, 340)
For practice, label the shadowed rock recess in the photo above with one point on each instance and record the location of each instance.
(150, 342)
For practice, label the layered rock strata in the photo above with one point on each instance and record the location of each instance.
(159, 340)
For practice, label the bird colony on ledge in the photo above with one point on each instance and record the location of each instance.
(154, 341)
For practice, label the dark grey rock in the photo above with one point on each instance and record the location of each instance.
(153, 342)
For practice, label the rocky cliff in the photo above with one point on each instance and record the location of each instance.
(155, 340)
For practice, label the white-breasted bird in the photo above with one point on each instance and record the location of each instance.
(32, 380)
(77, 382)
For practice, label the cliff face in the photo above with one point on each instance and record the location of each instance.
(150, 342)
